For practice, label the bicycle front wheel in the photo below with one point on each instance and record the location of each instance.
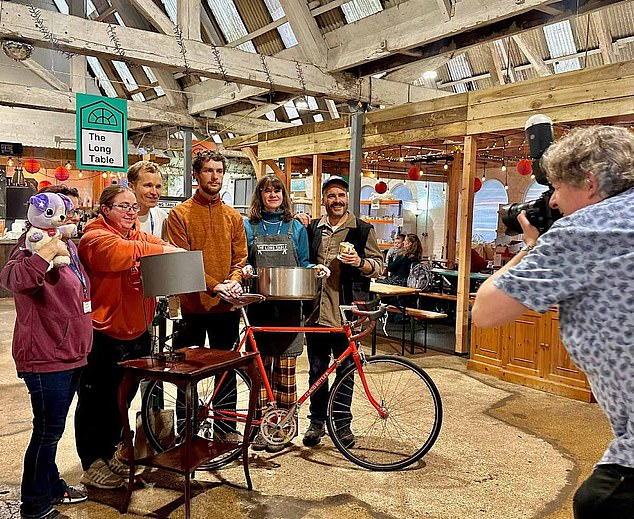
(220, 407)
(410, 418)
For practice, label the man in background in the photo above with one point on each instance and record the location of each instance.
(585, 264)
(144, 178)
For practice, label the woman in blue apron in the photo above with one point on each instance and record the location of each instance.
(275, 239)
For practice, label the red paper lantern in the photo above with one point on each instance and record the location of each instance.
(43, 184)
(525, 167)
(61, 173)
(31, 165)
(477, 184)
(380, 187)
(413, 173)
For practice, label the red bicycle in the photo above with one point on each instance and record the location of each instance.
(390, 404)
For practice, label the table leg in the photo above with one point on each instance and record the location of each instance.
(188, 439)
(124, 390)
(374, 340)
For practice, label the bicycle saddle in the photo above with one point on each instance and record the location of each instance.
(244, 299)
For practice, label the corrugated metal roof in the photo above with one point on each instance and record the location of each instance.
(255, 14)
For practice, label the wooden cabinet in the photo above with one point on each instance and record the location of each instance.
(529, 352)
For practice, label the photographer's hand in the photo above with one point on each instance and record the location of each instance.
(530, 232)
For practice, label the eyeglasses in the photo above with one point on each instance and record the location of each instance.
(126, 208)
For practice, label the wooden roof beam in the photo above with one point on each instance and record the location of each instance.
(306, 31)
(447, 9)
(605, 39)
(532, 56)
(188, 16)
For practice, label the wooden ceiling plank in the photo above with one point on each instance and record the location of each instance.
(446, 8)
(154, 15)
(494, 63)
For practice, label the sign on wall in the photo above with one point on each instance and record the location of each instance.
(102, 130)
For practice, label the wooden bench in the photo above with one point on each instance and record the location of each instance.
(414, 315)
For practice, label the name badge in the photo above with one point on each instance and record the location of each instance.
(87, 307)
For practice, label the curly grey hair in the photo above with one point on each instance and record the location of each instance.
(606, 151)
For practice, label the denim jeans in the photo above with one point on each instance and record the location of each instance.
(51, 395)
(319, 347)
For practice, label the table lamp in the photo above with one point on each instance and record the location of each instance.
(171, 274)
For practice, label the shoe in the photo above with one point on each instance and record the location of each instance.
(278, 447)
(346, 437)
(259, 443)
(53, 514)
(314, 433)
(71, 496)
(228, 437)
(117, 466)
(100, 475)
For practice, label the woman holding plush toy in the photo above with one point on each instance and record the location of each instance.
(110, 249)
(51, 341)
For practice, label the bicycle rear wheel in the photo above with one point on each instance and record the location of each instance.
(413, 414)
(163, 413)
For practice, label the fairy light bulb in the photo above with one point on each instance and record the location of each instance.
(68, 165)
(80, 175)
(10, 162)
(105, 175)
(503, 167)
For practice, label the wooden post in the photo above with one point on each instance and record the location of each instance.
(288, 167)
(258, 166)
(464, 252)
(316, 204)
(451, 214)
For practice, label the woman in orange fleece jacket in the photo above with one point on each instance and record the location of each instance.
(110, 250)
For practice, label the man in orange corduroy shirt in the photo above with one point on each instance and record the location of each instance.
(206, 223)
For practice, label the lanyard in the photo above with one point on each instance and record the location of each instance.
(151, 222)
(74, 265)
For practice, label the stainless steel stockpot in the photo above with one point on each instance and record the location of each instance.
(287, 283)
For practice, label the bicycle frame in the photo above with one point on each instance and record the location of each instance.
(350, 350)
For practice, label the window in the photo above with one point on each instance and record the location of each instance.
(366, 192)
(485, 210)
(242, 191)
(534, 191)
(402, 192)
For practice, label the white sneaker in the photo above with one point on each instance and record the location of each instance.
(100, 475)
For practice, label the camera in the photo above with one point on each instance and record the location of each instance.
(539, 134)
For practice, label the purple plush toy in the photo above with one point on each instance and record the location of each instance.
(47, 214)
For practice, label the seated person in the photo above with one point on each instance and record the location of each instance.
(399, 265)
(394, 250)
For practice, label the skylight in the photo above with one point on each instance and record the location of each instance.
(560, 43)
(285, 31)
(100, 74)
(231, 25)
(459, 68)
(291, 111)
(357, 9)
(170, 9)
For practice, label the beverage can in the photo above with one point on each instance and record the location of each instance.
(346, 247)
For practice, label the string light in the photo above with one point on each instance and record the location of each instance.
(68, 165)
(10, 162)
(105, 175)
(80, 175)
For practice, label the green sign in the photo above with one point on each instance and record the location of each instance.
(102, 133)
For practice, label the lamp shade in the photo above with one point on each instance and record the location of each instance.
(413, 173)
(477, 184)
(172, 273)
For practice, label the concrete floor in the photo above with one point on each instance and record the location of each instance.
(505, 451)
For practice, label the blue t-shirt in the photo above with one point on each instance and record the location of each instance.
(585, 262)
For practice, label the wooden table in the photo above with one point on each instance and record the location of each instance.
(474, 276)
(384, 289)
(199, 363)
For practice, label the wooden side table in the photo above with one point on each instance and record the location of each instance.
(194, 451)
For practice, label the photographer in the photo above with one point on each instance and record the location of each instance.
(585, 263)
